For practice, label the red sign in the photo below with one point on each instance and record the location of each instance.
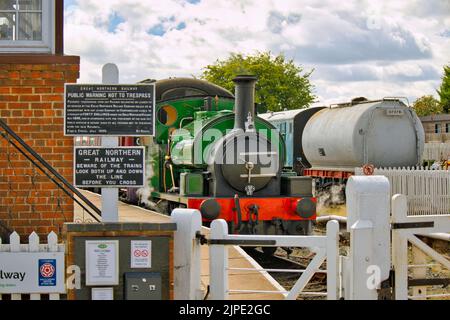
(369, 169)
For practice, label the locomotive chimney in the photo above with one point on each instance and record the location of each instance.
(245, 99)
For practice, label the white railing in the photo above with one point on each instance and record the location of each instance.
(405, 231)
(357, 276)
(436, 151)
(33, 246)
(187, 263)
(427, 191)
(326, 248)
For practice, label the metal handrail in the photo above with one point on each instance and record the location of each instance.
(41, 163)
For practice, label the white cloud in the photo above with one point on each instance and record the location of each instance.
(358, 48)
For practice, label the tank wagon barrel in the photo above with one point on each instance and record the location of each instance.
(331, 142)
(382, 133)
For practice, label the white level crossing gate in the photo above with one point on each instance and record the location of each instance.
(406, 231)
(369, 232)
(378, 251)
(326, 247)
(188, 261)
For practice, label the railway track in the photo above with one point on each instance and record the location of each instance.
(297, 260)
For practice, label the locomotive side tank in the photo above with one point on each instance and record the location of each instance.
(384, 133)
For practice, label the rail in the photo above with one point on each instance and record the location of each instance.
(41, 164)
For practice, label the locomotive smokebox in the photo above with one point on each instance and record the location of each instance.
(245, 99)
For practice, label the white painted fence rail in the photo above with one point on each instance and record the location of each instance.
(187, 258)
(33, 246)
(405, 232)
(427, 191)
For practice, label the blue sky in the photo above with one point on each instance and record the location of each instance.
(356, 48)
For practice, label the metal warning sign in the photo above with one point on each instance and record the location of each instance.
(141, 254)
(109, 110)
(109, 167)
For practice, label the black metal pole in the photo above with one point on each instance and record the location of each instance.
(47, 166)
(53, 180)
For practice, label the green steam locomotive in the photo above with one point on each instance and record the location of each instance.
(212, 152)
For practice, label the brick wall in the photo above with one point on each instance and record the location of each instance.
(32, 103)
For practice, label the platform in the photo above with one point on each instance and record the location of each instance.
(238, 258)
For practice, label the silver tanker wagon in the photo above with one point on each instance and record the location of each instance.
(328, 143)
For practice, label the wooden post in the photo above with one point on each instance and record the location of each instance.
(332, 260)
(400, 248)
(368, 202)
(33, 246)
(187, 259)
(14, 241)
(52, 240)
(218, 262)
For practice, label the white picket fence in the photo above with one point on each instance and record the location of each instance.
(436, 151)
(32, 246)
(427, 191)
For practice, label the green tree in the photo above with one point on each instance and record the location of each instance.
(281, 83)
(444, 92)
(427, 105)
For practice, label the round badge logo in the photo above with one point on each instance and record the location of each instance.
(47, 270)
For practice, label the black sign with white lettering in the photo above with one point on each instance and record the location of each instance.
(109, 110)
(109, 167)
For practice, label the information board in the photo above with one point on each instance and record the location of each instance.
(101, 167)
(109, 110)
(102, 263)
